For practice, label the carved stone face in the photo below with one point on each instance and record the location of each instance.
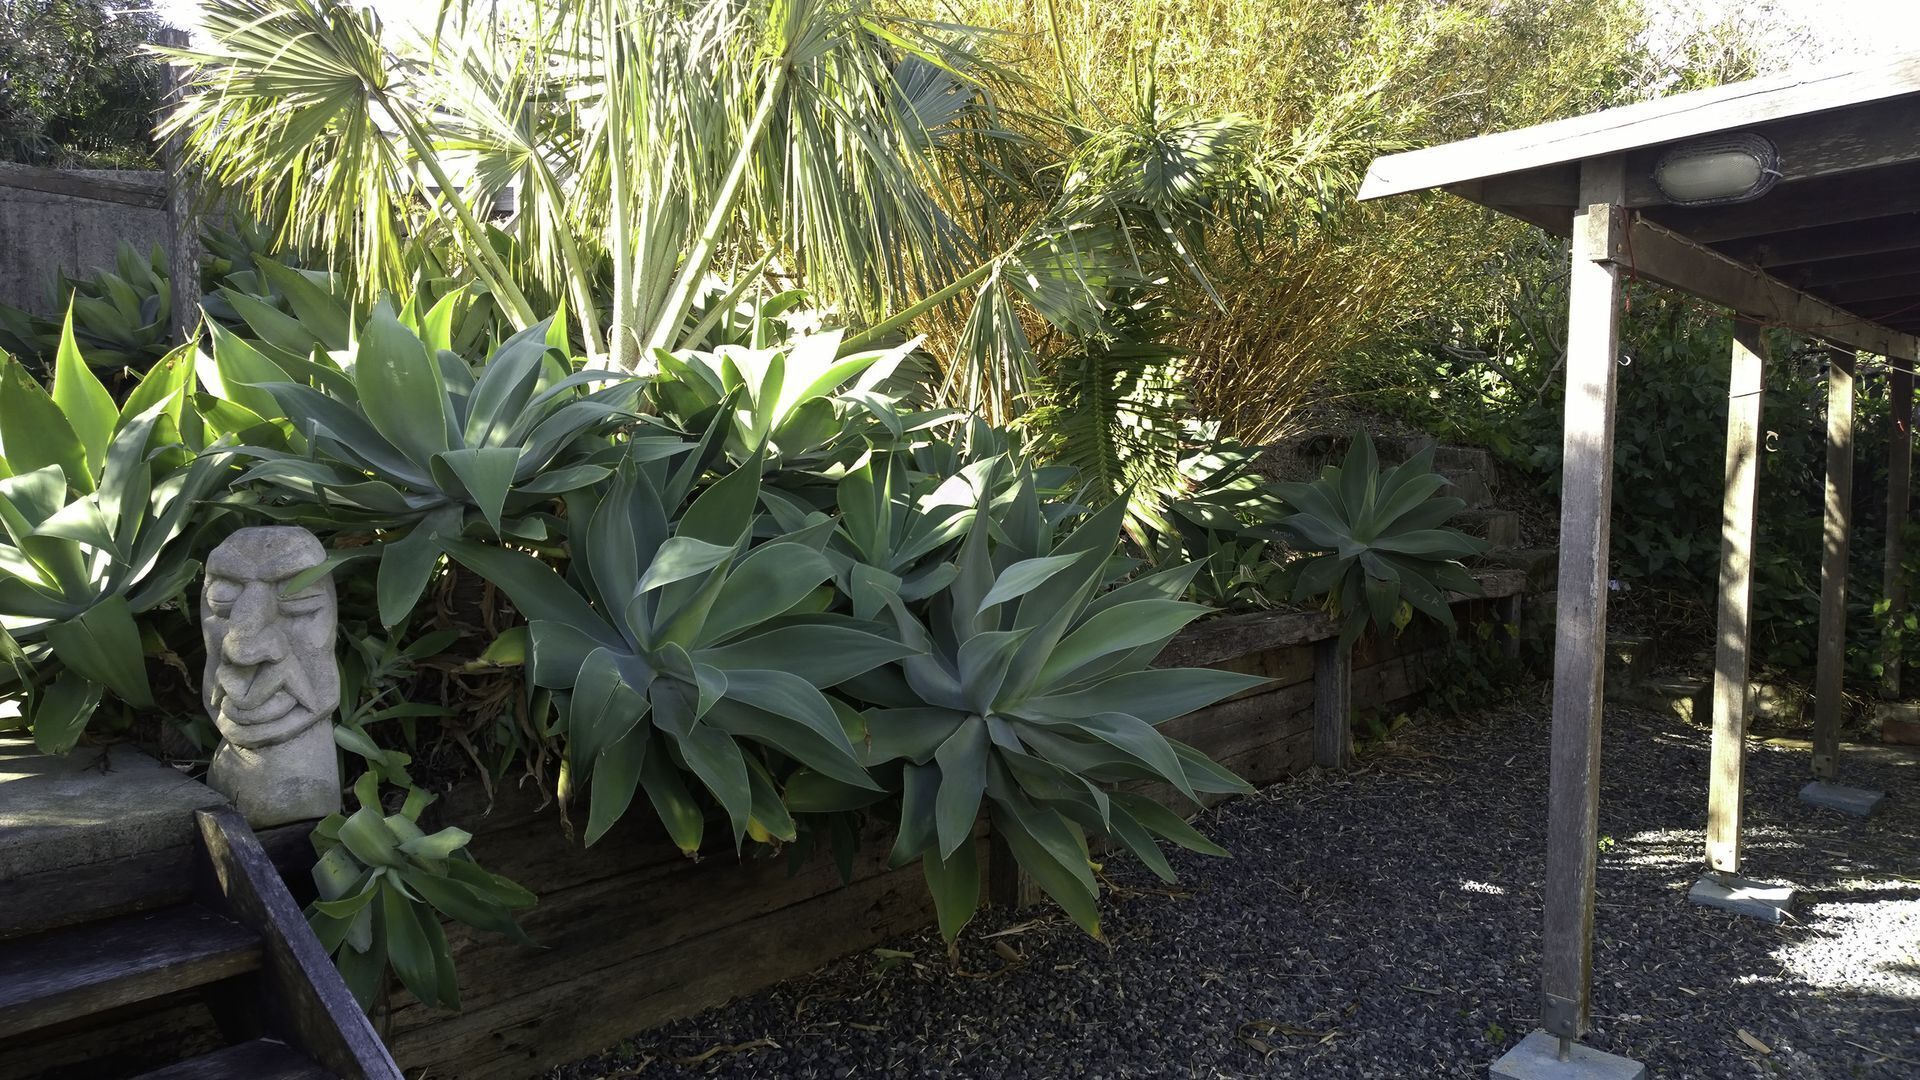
(270, 670)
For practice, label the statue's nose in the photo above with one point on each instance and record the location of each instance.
(253, 634)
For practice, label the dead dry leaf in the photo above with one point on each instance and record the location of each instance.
(1754, 1043)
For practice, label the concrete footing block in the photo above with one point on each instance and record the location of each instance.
(1538, 1058)
(1755, 899)
(1859, 802)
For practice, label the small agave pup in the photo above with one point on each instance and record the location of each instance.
(271, 684)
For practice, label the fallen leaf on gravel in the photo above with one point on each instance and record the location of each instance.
(1748, 1038)
(1017, 928)
(1274, 1027)
(731, 1048)
(1008, 953)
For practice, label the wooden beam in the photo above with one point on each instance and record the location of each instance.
(1332, 704)
(1745, 390)
(1895, 287)
(129, 192)
(1806, 204)
(1873, 236)
(1893, 584)
(1659, 254)
(1824, 100)
(1837, 533)
(1842, 271)
(306, 1001)
(1579, 655)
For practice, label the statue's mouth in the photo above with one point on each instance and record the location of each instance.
(258, 706)
(279, 704)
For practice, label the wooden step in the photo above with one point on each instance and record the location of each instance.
(81, 970)
(261, 1059)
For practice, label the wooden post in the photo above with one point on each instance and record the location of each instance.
(1745, 391)
(1332, 704)
(1899, 475)
(1579, 654)
(1831, 673)
(183, 262)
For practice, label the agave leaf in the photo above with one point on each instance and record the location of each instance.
(962, 758)
(34, 433)
(88, 407)
(400, 389)
(954, 881)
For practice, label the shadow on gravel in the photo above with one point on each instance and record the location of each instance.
(1385, 924)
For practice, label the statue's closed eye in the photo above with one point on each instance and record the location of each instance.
(303, 604)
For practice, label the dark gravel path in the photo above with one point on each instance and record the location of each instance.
(1385, 924)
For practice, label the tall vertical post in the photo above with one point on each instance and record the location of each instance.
(1899, 474)
(1829, 683)
(183, 262)
(1579, 655)
(1732, 654)
(1332, 704)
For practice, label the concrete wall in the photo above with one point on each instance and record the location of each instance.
(42, 232)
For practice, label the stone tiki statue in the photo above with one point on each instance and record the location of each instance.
(270, 684)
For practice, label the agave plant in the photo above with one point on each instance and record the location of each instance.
(383, 882)
(676, 645)
(120, 317)
(1386, 553)
(407, 440)
(1029, 693)
(803, 405)
(98, 511)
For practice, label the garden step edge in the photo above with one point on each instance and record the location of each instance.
(261, 1059)
(78, 971)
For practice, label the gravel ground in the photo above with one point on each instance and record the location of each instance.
(1385, 924)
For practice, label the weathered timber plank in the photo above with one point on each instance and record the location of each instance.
(628, 919)
(1593, 334)
(1234, 726)
(522, 1033)
(1837, 535)
(305, 999)
(1287, 665)
(1379, 685)
(256, 1059)
(1872, 236)
(1332, 704)
(69, 973)
(76, 894)
(119, 1042)
(1899, 475)
(1732, 652)
(1208, 643)
(131, 192)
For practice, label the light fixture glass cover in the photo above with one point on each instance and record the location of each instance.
(1722, 169)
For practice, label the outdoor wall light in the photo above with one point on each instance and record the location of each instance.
(1723, 169)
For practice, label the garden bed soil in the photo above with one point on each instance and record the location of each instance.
(1385, 924)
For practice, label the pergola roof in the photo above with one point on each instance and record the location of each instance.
(1833, 249)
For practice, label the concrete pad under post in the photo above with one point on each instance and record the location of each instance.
(1537, 1057)
(1859, 802)
(1755, 899)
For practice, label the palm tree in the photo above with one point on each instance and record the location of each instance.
(651, 142)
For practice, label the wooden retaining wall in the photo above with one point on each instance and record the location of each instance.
(634, 935)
